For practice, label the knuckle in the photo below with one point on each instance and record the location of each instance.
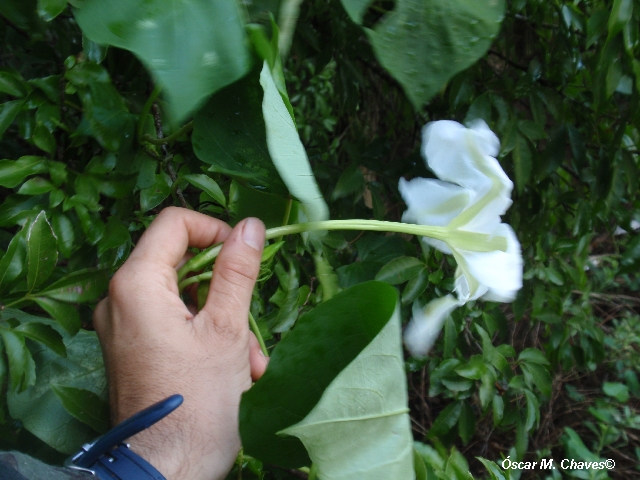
(237, 272)
(170, 212)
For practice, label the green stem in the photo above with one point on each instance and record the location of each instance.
(313, 472)
(145, 111)
(478, 242)
(256, 331)
(195, 279)
(207, 256)
(186, 128)
(16, 302)
(287, 214)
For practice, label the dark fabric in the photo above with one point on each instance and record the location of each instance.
(18, 466)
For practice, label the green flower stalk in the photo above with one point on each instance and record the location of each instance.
(472, 240)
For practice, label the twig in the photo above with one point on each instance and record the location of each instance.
(610, 297)
(186, 128)
(167, 158)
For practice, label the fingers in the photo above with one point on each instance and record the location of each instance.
(234, 276)
(174, 230)
(257, 360)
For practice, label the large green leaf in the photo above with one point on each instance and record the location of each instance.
(424, 43)
(248, 202)
(42, 251)
(13, 261)
(44, 334)
(84, 405)
(50, 9)
(287, 152)
(39, 408)
(229, 134)
(193, 48)
(64, 313)
(8, 112)
(360, 428)
(12, 172)
(81, 286)
(324, 341)
(22, 373)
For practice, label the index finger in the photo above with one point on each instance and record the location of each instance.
(174, 230)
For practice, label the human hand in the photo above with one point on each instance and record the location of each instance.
(154, 346)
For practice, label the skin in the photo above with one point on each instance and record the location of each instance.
(155, 346)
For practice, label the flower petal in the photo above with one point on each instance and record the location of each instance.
(425, 326)
(449, 149)
(432, 202)
(500, 272)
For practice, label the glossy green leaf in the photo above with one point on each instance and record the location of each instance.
(466, 423)
(498, 410)
(248, 202)
(424, 43)
(157, 31)
(229, 133)
(621, 14)
(492, 468)
(64, 232)
(81, 286)
(94, 52)
(8, 112)
(399, 270)
(12, 172)
(84, 405)
(12, 83)
(617, 390)
(43, 334)
(326, 276)
(350, 182)
(533, 355)
(415, 286)
(35, 186)
(540, 377)
(474, 369)
(13, 262)
(39, 408)
(50, 86)
(153, 196)
(64, 313)
(42, 251)
(106, 113)
(324, 341)
(360, 427)
(43, 139)
(208, 185)
(446, 420)
(287, 315)
(22, 373)
(288, 153)
(115, 236)
(533, 410)
(50, 9)
(356, 9)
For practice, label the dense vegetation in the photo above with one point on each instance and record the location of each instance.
(98, 139)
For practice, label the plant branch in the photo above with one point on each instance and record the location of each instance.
(186, 128)
(167, 158)
(145, 111)
(477, 241)
(256, 330)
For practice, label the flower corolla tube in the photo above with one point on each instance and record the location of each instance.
(467, 200)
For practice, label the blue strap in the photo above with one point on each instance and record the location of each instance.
(124, 464)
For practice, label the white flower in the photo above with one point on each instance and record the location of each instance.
(468, 200)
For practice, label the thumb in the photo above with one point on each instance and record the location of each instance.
(234, 276)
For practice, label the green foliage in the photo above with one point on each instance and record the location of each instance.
(111, 111)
